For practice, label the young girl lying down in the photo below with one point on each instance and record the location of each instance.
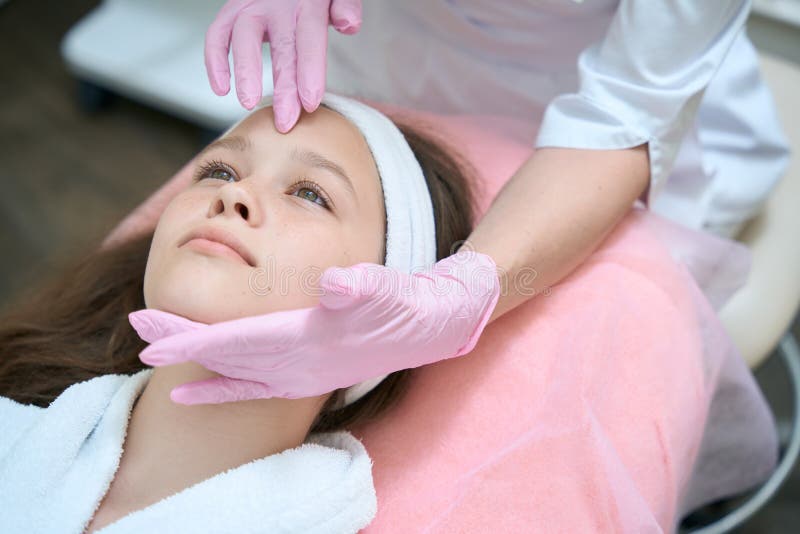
(89, 437)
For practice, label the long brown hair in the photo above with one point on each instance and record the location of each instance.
(76, 328)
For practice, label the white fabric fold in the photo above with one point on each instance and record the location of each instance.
(56, 465)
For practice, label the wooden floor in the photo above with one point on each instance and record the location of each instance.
(68, 177)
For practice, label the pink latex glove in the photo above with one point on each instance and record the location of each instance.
(371, 320)
(297, 31)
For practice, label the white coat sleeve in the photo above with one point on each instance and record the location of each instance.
(642, 83)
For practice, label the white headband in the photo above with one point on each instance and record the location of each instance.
(410, 230)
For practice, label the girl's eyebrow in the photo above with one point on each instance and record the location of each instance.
(314, 159)
(235, 142)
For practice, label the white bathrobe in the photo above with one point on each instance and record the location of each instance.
(57, 463)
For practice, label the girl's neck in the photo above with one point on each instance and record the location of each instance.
(170, 447)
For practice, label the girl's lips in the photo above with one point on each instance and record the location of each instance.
(215, 248)
(224, 237)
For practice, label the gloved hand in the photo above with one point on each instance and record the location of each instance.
(370, 321)
(297, 31)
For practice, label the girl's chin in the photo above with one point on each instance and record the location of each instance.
(210, 306)
(200, 310)
(212, 297)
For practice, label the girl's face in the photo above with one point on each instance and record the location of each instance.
(294, 204)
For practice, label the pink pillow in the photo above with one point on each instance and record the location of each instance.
(580, 411)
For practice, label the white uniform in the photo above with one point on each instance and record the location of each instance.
(597, 74)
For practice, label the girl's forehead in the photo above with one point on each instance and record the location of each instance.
(323, 131)
(323, 119)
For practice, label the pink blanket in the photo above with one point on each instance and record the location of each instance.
(605, 406)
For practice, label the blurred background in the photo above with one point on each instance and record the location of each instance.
(76, 157)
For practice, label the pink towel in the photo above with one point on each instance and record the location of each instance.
(614, 404)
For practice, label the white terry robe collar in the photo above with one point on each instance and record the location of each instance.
(59, 463)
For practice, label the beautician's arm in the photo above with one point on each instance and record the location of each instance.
(640, 86)
(554, 212)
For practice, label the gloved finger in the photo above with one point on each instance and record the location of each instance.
(285, 101)
(248, 337)
(217, 46)
(339, 287)
(219, 390)
(344, 286)
(157, 357)
(245, 367)
(246, 43)
(312, 45)
(152, 325)
(346, 16)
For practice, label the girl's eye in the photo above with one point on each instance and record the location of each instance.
(305, 189)
(221, 174)
(215, 170)
(312, 192)
(308, 194)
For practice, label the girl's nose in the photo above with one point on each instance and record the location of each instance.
(236, 200)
